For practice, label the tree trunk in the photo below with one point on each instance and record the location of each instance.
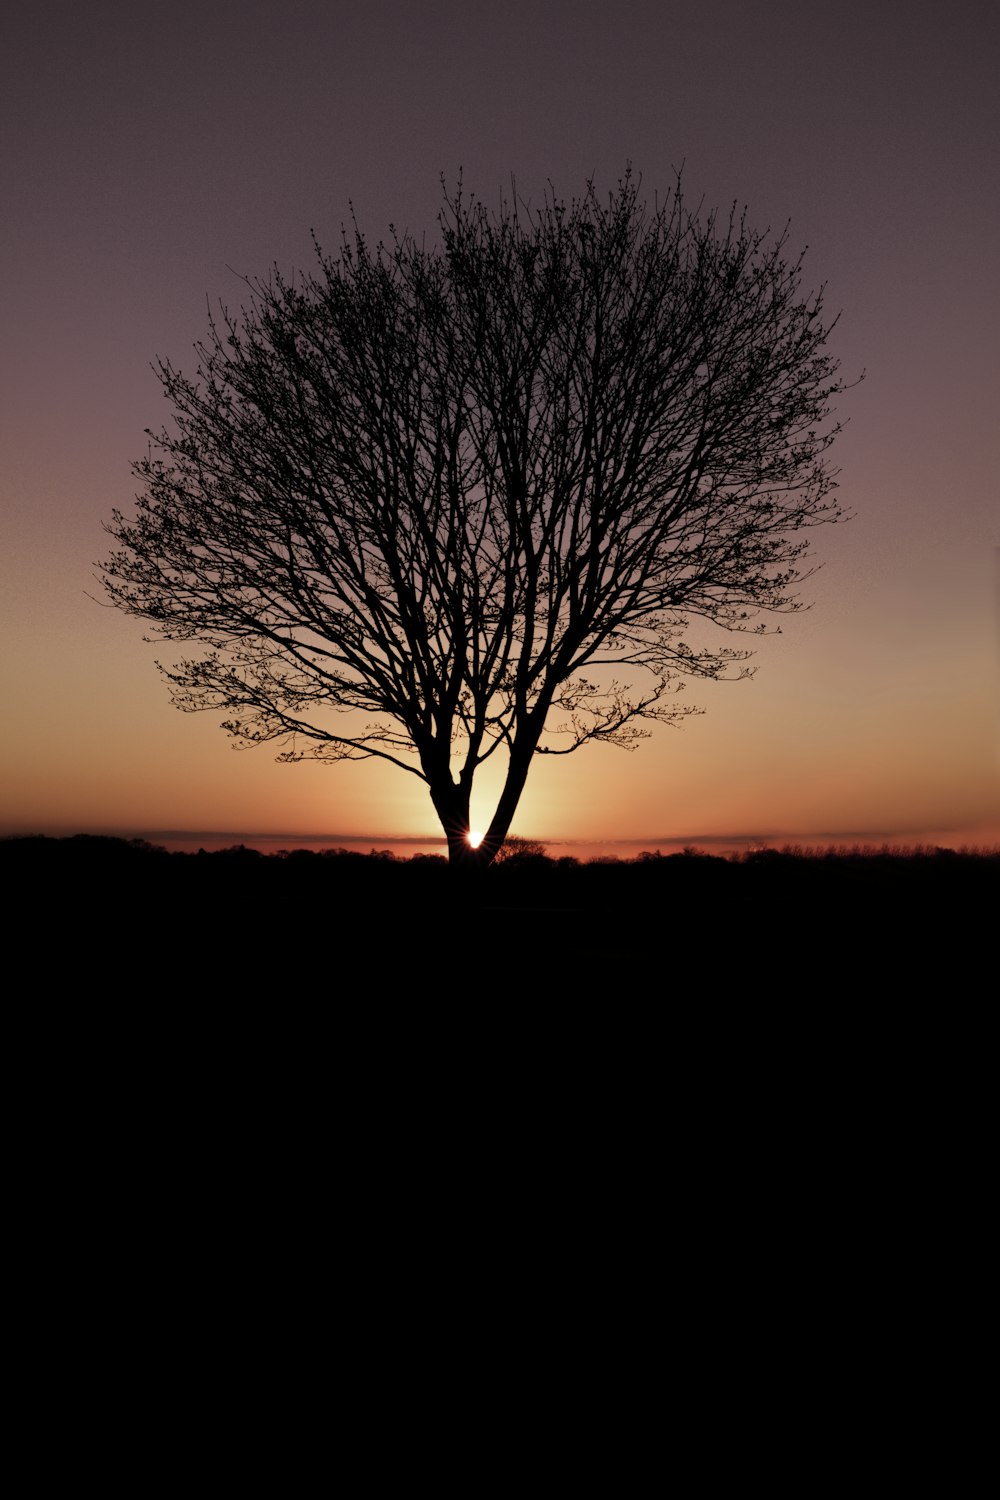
(451, 798)
(451, 803)
(517, 775)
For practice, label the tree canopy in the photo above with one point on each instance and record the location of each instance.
(438, 501)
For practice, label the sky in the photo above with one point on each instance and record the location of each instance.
(151, 156)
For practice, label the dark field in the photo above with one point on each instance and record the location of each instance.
(340, 924)
(772, 1076)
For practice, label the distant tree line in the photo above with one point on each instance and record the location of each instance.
(236, 928)
(519, 859)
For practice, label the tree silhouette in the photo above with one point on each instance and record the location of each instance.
(520, 851)
(432, 504)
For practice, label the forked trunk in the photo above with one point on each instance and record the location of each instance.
(451, 803)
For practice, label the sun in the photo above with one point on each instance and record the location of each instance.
(474, 837)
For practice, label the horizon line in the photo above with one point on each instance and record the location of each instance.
(769, 839)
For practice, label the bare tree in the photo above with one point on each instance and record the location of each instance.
(436, 504)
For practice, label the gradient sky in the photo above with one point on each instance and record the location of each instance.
(152, 155)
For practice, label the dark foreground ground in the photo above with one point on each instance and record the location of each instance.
(838, 998)
(127, 917)
(286, 1128)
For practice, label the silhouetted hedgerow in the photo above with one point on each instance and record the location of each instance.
(768, 921)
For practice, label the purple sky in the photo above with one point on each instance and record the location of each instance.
(152, 155)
